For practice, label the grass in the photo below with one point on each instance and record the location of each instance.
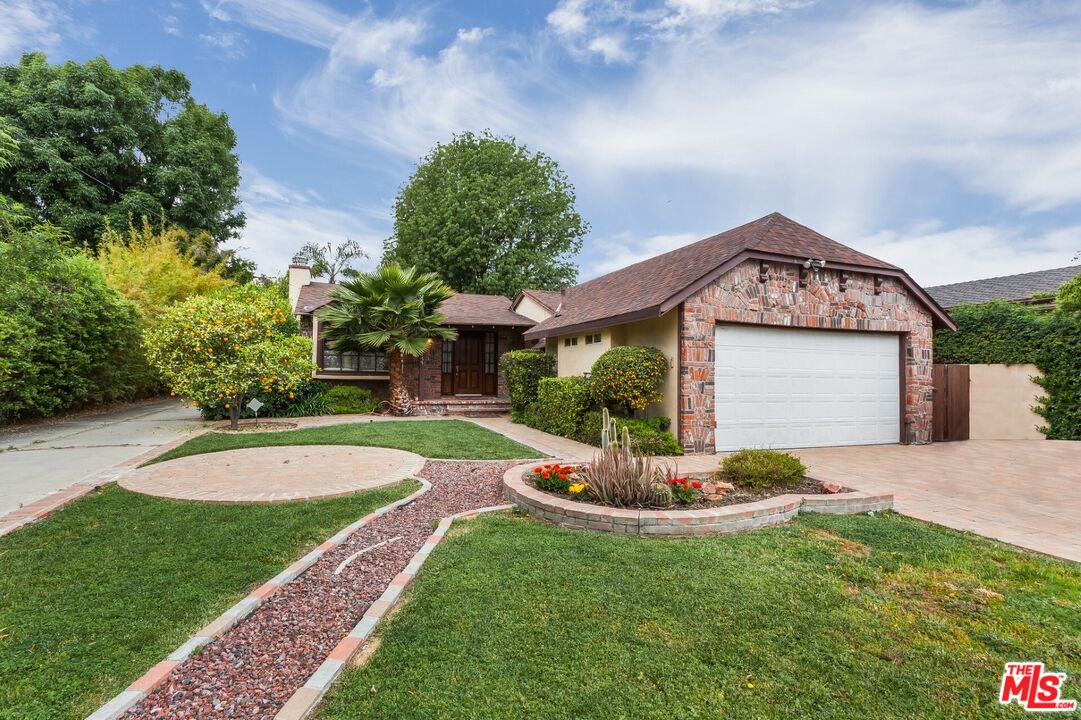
(450, 439)
(827, 617)
(93, 596)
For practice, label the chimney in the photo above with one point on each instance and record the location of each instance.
(300, 274)
(562, 300)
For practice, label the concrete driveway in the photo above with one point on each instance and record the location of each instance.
(1024, 492)
(39, 458)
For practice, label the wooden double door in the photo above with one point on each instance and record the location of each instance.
(472, 364)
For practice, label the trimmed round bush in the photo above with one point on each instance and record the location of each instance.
(350, 399)
(761, 470)
(523, 371)
(628, 378)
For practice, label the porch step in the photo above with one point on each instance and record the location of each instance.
(465, 407)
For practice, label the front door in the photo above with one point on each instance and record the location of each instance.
(469, 363)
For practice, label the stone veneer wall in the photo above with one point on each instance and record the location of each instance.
(739, 296)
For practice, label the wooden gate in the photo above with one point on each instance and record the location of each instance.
(950, 417)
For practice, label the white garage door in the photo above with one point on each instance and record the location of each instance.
(785, 388)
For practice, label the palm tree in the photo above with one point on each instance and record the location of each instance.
(393, 309)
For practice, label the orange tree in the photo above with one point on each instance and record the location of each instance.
(230, 347)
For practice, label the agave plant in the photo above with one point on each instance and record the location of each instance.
(617, 476)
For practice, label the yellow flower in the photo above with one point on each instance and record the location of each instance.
(576, 488)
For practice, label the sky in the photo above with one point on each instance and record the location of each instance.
(942, 137)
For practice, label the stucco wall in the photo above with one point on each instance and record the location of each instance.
(1000, 400)
(578, 359)
(740, 296)
(532, 309)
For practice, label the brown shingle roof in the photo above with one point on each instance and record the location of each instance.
(460, 309)
(651, 287)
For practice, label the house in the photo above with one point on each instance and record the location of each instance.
(776, 336)
(1031, 288)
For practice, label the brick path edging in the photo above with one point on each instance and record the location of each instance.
(308, 696)
(45, 506)
(708, 521)
(139, 689)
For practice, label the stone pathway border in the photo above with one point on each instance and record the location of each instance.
(708, 521)
(139, 689)
(42, 508)
(307, 697)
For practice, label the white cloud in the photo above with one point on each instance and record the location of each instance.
(281, 219)
(624, 249)
(698, 14)
(940, 256)
(230, 44)
(27, 25)
(611, 48)
(171, 25)
(302, 20)
(569, 17)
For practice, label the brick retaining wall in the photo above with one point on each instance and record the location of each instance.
(708, 521)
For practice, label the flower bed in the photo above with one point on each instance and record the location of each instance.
(692, 491)
(567, 511)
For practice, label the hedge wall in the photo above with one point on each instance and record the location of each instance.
(1003, 332)
(523, 370)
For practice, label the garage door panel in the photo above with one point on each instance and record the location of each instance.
(787, 387)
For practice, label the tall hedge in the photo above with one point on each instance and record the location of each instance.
(1002, 332)
(523, 371)
(66, 338)
(561, 403)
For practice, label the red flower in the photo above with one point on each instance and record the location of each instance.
(696, 485)
(537, 469)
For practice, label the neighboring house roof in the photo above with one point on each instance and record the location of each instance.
(1008, 287)
(549, 299)
(652, 287)
(460, 309)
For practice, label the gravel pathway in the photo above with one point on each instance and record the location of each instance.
(253, 669)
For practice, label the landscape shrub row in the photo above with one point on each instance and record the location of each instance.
(623, 379)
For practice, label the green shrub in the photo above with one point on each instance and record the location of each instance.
(523, 371)
(561, 402)
(649, 436)
(66, 339)
(761, 470)
(350, 399)
(628, 377)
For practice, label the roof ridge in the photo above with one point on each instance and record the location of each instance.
(1004, 277)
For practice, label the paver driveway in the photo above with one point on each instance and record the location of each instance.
(1024, 492)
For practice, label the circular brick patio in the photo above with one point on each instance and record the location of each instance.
(274, 474)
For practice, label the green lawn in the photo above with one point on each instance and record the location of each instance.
(93, 596)
(451, 439)
(828, 617)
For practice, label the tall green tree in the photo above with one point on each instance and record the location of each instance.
(390, 309)
(489, 216)
(98, 142)
(330, 260)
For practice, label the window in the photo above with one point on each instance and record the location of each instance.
(350, 361)
(593, 339)
(448, 357)
(489, 353)
(570, 342)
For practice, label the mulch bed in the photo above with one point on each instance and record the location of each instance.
(249, 426)
(731, 497)
(252, 670)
